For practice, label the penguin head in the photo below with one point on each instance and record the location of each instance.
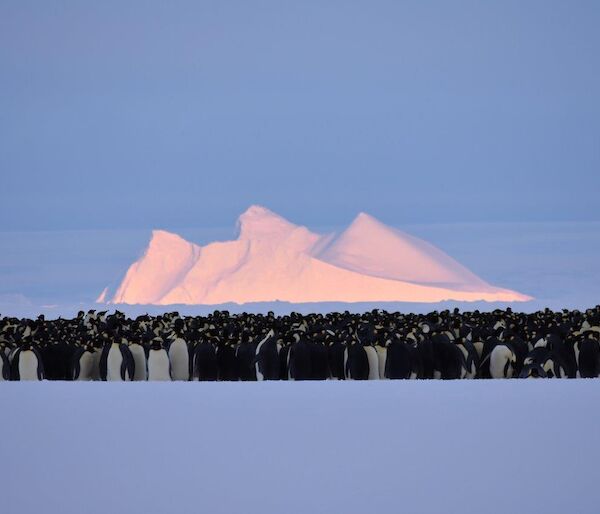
(157, 344)
(178, 326)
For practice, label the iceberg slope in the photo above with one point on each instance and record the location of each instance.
(369, 247)
(273, 259)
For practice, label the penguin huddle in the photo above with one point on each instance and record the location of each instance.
(336, 346)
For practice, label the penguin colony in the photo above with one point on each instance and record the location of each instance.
(339, 346)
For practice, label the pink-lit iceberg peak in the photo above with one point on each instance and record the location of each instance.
(275, 260)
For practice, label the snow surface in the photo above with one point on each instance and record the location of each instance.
(321, 447)
(273, 259)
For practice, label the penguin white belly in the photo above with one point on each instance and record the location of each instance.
(86, 366)
(498, 358)
(139, 358)
(2, 370)
(95, 375)
(180, 360)
(113, 364)
(382, 356)
(471, 371)
(478, 348)
(373, 363)
(28, 366)
(11, 354)
(158, 365)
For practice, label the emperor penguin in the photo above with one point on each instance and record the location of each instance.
(319, 365)
(366, 336)
(226, 362)
(96, 355)
(335, 357)
(587, 356)
(381, 350)
(537, 363)
(299, 365)
(356, 361)
(373, 359)
(159, 367)
(205, 365)
(179, 356)
(83, 363)
(138, 353)
(245, 354)
(401, 360)
(266, 361)
(502, 361)
(284, 352)
(448, 359)
(27, 364)
(471, 358)
(116, 363)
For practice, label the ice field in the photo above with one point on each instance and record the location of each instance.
(313, 447)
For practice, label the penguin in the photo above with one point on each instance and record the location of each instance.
(356, 361)
(27, 364)
(266, 360)
(534, 364)
(382, 357)
(426, 357)
(500, 361)
(299, 362)
(471, 358)
(138, 353)
(401, 361)
(284, 353)
(96, 355)
(83, 364)
(366, 336)
(116, 363)
(226, 362)
(448, 359)
(373, 359)
(245, 354)
(179, 354)
(205, 361)
(564, 351)
(159, 367)
(587, 354)
(335, 359)
(319, 365)
(521, 349)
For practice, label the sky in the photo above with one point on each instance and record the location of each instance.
(134, 115)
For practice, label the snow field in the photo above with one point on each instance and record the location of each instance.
(313, 447)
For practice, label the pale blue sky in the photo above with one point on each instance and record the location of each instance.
(142, 114)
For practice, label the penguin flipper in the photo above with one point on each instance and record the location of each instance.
(14, 367)
(103, 364)
(40, 365)
(75, 364)
(5, 366)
